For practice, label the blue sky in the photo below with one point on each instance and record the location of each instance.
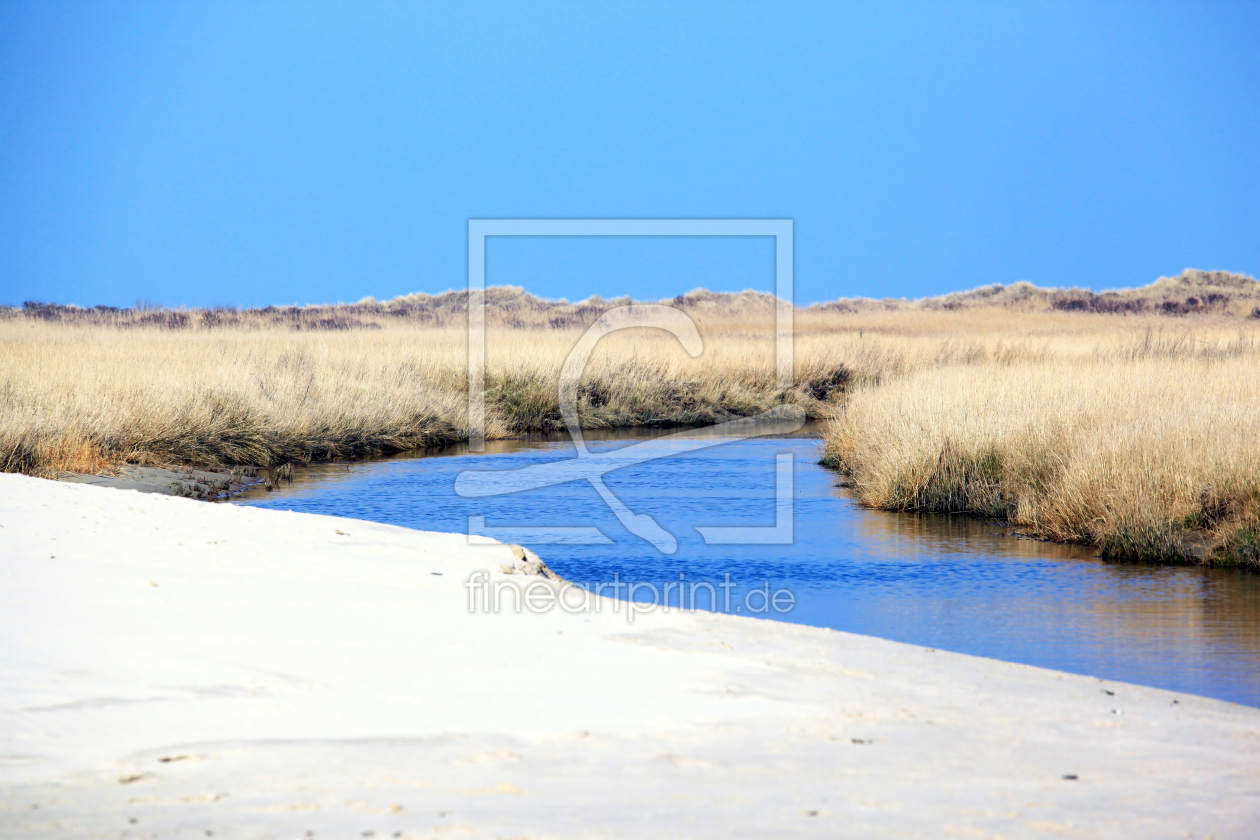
(255, 153)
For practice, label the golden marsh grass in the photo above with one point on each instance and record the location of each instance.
(82, 398)
(1148, 446)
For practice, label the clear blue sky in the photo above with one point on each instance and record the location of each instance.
(254, 153)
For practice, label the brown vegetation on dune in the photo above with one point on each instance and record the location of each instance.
(1193, 292)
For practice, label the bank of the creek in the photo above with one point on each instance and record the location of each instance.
(953, 583)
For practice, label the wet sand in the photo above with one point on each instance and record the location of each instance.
(192, 484)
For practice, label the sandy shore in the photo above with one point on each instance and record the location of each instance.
(170, 668)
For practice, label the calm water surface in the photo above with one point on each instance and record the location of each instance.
(947, 582)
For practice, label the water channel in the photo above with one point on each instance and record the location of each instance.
(949, 582)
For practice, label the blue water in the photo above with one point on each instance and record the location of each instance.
(953, 583)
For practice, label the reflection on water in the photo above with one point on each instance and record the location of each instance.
(953, 583)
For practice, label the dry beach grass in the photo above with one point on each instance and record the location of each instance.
(81, 398)
(1127, 420)
(1151, 452)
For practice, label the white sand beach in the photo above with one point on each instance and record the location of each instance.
(174, 668)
